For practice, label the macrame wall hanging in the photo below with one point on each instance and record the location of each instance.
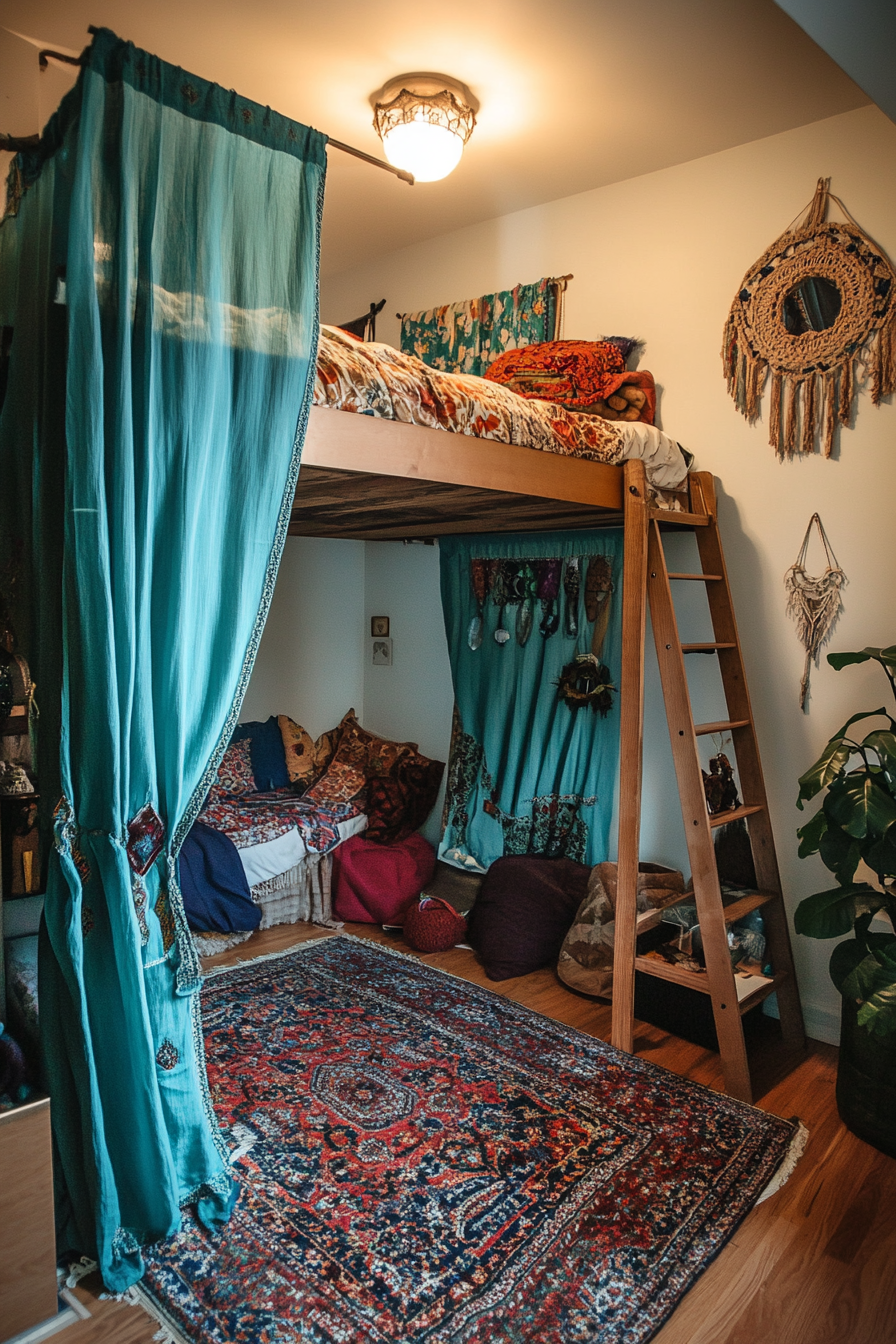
(818, 301)
(813, 601)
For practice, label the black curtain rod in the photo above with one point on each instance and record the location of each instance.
(13, 144)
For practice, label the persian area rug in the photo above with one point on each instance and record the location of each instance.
(423, 1160)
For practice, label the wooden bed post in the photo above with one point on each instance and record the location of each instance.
(634, 610)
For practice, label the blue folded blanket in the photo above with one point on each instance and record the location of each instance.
(213, 884)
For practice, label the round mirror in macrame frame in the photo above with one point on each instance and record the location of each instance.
(812, 372)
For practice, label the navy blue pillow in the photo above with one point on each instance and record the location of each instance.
(266, 753)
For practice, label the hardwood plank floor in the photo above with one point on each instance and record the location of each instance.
(814, 1264)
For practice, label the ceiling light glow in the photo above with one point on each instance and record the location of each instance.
(425, 124)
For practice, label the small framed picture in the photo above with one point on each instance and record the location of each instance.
(382, 653)
(379, 627)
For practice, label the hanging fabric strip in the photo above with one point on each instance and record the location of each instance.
(814, 601)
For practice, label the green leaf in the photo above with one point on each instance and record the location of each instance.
(860, 806)
(830, 914)
(811, 834)
(841, 853)
(845, 957)
(825, 770)
(884, 745)
(886, 657)
(872, 983)
(881, 856)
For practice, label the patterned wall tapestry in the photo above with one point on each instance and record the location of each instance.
(467, 337)
(528, 772)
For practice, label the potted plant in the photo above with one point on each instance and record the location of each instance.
(855, 824)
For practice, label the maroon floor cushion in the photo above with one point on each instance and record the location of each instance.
(524, 910)
(375, 883)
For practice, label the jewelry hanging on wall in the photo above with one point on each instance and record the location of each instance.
(572, 582)
(813, 601)
(819, 300)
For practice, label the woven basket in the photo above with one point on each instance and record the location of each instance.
(432, 925)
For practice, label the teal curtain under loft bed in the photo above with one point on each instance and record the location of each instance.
(160, 276)
(527, 774)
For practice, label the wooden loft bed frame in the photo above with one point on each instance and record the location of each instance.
(368, 478)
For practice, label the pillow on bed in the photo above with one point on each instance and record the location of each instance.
(399, 803)
(298, 748)
(359, 756)
(235, 776)
(577, 375)
(268, 756)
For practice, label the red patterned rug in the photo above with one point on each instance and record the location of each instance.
(424, 1160)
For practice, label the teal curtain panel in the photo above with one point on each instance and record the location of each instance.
(530, 771)
(467, 337)
(159, 274)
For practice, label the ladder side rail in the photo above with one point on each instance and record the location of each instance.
(631, 745)
(749, 769)
(698, 834)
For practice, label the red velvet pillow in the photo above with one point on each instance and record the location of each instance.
(525, 908)
(399, 803)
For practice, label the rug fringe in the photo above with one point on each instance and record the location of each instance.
(273, 956)
(788, 1166)
(135, 1296)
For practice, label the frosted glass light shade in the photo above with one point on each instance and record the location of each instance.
(428, 151)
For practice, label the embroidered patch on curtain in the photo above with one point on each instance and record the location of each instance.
(467, 337)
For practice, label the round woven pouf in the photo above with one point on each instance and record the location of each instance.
(432, 925)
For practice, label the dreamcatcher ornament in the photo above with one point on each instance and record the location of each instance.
(813, 601)
(821, 298)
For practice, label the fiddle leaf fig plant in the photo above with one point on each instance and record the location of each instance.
(856, 824)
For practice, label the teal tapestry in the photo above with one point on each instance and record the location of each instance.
(160, 280)
(528, 773)
(467, 337)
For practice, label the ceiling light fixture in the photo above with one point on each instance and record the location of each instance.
(424, 121)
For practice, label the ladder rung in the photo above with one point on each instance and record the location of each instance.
(746, 904)
(705, 648)
(701, 729)
(678, 518)
(697, 578)
(745, 810)
(664, 971)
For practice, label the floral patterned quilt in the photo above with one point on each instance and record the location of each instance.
(375, 379)
(257, 817)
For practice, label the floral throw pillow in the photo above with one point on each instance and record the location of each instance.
(359, 756)
(235, 775)
(399, 803)
(298, 747)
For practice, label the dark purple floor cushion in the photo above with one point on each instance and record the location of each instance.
(524, 910)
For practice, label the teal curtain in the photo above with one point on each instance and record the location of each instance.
(160, 277)
(526, 773)
(467, 337)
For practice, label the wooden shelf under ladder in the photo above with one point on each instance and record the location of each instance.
(647, 580)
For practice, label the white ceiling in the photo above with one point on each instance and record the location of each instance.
(574, 94)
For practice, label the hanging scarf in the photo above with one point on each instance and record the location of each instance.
(813, 601)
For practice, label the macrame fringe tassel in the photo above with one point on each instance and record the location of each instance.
(883, 360)
(790, 419)
(774, 415)
(807, 419)
(846, 390)
(830, 410)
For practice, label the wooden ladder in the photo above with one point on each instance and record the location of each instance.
(645, 571)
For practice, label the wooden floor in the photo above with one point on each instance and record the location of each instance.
(814, 1264)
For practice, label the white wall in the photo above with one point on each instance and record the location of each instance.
(660, 257)
(309, 664)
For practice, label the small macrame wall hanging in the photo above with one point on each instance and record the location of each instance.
(813, 600)
(819, 300)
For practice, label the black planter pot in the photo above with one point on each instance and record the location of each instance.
(866, 1082)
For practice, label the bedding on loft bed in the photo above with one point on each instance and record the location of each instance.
(376, 380)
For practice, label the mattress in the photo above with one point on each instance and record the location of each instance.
(271, 858)
(375, 379)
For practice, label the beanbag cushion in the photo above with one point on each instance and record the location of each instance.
(525, 906)
(376, 883)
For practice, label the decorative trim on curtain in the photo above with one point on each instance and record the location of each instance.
(527, 772)
(467, 337)
(164, 395)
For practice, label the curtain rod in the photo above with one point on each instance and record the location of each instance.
(15, 143)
